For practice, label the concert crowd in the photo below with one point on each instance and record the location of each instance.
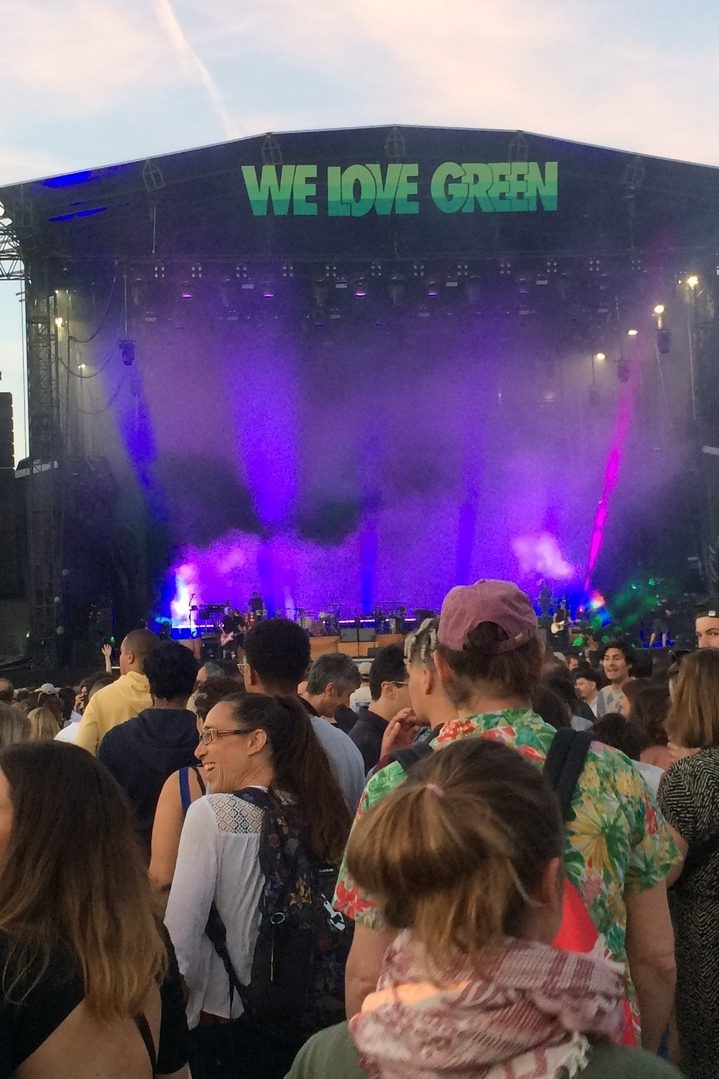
(468, 855)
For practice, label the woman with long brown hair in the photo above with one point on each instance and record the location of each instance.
(43, 724)
(689, 799)
(466, 859)
(83, 961)
(248, 742)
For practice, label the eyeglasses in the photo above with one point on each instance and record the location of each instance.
(242, 667)
(400, 683)
(209, 734)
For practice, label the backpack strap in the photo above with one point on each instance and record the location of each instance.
(409, 756)
(216, 929)
(146, 1034)
(185, 792)
(564, 764)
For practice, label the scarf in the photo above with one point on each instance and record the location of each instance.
(525, 1014)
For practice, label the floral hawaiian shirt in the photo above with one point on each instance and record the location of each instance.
(616, 843)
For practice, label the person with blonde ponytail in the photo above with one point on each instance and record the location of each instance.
(89, 984)
(466, 860)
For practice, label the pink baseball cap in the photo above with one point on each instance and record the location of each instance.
(501, 602)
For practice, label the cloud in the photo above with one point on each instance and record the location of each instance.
(194, 64)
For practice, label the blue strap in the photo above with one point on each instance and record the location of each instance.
(185, 796)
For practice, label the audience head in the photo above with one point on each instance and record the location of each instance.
(547, 704)
(7, 691)
(707, 624)
(630, 691)
(43, 724)
(51, 701)
(649, 711)
(642, 664)
(562, 683)
(467, 851)
(487, 643)
(209, 670)
(427, 696)
(617, 659)
(620, 733)
(211, 692)
(14, 724)
(331, 681)
(73, 877)
(257, 739)
(135, 649)
(388, 680)
(693, 719)
(277, 654)
(587, 682)
(171, 671)
(66, 697)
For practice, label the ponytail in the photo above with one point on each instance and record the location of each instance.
(457, 852)
(301, 769)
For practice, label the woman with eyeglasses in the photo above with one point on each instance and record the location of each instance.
(246, 741)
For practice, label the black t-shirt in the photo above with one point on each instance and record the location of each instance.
(25, 1027)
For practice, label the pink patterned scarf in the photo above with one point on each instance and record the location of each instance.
(525, 1014)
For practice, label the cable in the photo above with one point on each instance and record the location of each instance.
(110, 403)
(86, 378)
(86, 341)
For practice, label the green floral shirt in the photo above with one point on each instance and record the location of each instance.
(616, 842)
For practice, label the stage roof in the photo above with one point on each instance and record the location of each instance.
(387, 194)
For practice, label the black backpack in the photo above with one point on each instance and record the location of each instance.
(296, 984)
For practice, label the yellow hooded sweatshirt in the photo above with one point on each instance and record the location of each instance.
(112, 705)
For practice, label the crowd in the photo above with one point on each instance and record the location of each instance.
(528, 888)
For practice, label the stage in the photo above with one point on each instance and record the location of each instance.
(355, 368)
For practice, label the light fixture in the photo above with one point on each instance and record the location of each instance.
(599, 357)
(81, 366)
(693, 281)
(632, 333)
(58, 321)
(659, 309)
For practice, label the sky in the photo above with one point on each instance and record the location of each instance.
(104, 81)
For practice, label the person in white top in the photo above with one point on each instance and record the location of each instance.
(247, 741)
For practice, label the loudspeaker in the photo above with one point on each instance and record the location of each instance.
(7, 434)
(11, 583)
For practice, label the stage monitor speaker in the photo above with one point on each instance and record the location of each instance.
(350, 635)
(210, 648)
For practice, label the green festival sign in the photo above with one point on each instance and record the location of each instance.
(356, 190)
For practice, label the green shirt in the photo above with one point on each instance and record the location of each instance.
(331, 1055)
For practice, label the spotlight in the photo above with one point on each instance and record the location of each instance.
(127, 351)
(58, 322)
(632, 333)
(600, 357)
(693, 281)
(82, 366)
(659, 309)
